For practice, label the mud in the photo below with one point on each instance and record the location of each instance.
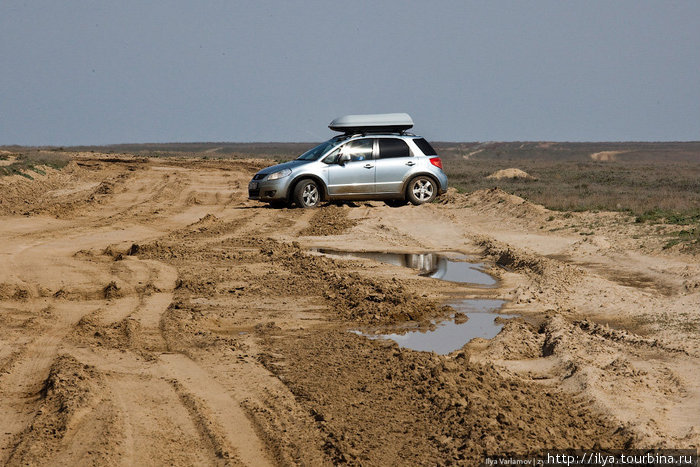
(444, 337)
(151, 315)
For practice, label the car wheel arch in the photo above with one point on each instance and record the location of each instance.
(319, 182)
(411, 177)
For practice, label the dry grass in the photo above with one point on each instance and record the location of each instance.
(637, 187)
(30, 162)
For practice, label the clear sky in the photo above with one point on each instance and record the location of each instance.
(100, 72)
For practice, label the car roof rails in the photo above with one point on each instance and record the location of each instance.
(378, 133)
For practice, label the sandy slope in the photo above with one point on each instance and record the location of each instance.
(151, 314)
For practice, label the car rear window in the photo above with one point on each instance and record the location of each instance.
(392, 147)
(425, 147)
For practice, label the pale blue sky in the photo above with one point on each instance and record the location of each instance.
(100, 72)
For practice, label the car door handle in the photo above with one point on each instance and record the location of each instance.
(368, 166)
(410, 163)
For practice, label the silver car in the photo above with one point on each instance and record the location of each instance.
(370, 161)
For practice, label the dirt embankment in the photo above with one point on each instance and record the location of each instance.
(151, 312)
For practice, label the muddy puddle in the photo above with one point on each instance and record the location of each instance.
(472, 318)
(452, 268)
(451, 334)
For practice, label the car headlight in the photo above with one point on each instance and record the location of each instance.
(280, 174)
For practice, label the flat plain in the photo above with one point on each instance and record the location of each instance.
(150, 314)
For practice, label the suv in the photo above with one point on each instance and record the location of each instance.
(374, 159)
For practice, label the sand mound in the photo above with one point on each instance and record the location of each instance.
(606, 156)
(511, 173)
(495, 200)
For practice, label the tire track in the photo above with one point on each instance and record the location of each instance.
(21, 385)
(225, 421)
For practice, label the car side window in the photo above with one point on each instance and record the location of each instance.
(359, 150)
(332, 158)
(393, 147)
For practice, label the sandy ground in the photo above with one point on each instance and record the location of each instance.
(151, 315)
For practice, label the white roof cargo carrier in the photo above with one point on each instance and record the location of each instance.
(372, 123)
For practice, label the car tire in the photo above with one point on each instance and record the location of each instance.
(395, 203)
(307, 194)
(421, 189)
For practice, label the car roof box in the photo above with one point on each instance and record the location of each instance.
(397, 122)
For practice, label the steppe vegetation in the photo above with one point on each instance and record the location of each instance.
(657, 183)
(27, 162)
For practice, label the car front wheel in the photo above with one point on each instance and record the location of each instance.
(421, 189)
(307, 194)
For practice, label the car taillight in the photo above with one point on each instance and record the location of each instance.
(436, 162)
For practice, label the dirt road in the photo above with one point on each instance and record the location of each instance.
(151, 315)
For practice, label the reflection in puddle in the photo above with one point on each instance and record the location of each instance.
(453, 269)
(449, 336)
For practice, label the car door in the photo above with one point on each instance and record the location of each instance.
(356, 176)
(394, 161)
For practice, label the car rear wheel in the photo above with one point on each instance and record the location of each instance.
(307, 194)
(421, 189)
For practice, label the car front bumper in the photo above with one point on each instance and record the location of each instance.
(268, 190)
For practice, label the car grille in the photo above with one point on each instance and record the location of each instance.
(255, 192)
(259, 176)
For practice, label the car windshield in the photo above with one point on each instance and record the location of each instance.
(314, 153)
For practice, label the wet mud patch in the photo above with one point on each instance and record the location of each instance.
(434, 409)
(631, 279)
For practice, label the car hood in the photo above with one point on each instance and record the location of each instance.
(287, 165)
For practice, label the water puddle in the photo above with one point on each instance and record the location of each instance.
(452, 334)
(453, 268)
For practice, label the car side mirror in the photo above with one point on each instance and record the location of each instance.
(343, 159)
